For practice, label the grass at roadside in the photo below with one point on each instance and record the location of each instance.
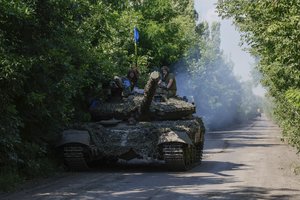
(11, 177)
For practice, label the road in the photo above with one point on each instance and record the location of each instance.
(246, 162)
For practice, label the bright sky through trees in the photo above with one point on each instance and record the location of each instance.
(230, 39)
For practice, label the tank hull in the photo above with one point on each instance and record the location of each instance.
(179, 143)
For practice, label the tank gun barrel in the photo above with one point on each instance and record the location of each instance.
(149, 92)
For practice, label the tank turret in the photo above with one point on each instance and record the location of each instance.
(145, 107)
(148, 126)
(137, 105)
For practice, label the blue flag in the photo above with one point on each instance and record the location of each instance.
(136, 35)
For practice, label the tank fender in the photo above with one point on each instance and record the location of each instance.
(75, 136)
(175, 136)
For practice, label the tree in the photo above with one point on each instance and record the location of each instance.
(270, 28)
(55, 55)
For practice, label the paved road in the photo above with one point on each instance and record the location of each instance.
(247, 162)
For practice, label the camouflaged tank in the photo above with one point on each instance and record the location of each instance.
(147, 126)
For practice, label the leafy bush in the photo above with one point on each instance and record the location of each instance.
(270, 29)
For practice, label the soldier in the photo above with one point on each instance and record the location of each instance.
(122, 86)
(125, 85)
(133, 76)
(168, 82)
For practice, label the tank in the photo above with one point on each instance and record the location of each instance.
(145, 126)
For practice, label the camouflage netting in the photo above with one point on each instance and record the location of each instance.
(118, 110)
(139, 126)
(141, 138)
(173, 108)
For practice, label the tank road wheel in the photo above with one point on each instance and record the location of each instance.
(177, 156)
(193, 154)
(76, 157)
(199, 152)
(188, 157)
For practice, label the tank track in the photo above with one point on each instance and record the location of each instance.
(175, 156)
(199, 152)
(75, 157)
(180, 157)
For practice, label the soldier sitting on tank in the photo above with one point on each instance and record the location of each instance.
(168, 82)
(133, 76)
(115, 89)
(124, 86)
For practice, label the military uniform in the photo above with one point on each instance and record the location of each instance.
(171, 92)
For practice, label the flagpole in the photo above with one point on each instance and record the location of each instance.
(136, 39)
(136, 56)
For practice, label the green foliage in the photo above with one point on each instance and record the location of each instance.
(9, 179)
(293, 97)
(270, 28)
(56, 55)
(45, 65)
(9, 134)
(167, 32)
(33, 160)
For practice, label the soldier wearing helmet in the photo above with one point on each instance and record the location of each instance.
(168, 82)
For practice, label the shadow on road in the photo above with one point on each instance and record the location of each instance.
(152, 181)
(160, 187)
(242, 136)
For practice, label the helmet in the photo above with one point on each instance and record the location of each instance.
(165, 68)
